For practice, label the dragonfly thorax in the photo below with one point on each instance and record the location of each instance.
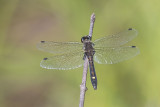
(87, 45)
(88, 48)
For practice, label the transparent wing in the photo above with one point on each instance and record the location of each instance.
(116, 40)
(64, 61)
(59, 47)
(109, 55)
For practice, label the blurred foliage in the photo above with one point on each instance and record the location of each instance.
(23, 23)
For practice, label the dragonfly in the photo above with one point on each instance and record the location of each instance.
(106, 50)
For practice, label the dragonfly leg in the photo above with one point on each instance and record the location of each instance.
(84, 57)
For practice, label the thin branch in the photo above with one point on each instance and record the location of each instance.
(83, 85)
(85, 69)
(92, 24)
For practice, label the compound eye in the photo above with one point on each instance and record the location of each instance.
(82, 39)
(85, 38)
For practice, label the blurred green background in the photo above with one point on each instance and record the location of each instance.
(23, 23)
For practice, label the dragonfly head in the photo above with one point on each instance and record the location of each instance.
(85, 38)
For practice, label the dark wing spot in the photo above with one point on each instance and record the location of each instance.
(42, 41)
(45, 58)
(133, 46)
(130, 29)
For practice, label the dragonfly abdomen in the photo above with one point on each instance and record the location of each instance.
(92, 72)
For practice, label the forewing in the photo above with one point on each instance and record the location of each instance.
(107, 55)
(117, 39)
(59, 47)
(64, 61)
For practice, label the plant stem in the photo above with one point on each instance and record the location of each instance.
(83, 87)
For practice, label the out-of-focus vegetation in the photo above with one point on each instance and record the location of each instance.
(23, 23)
